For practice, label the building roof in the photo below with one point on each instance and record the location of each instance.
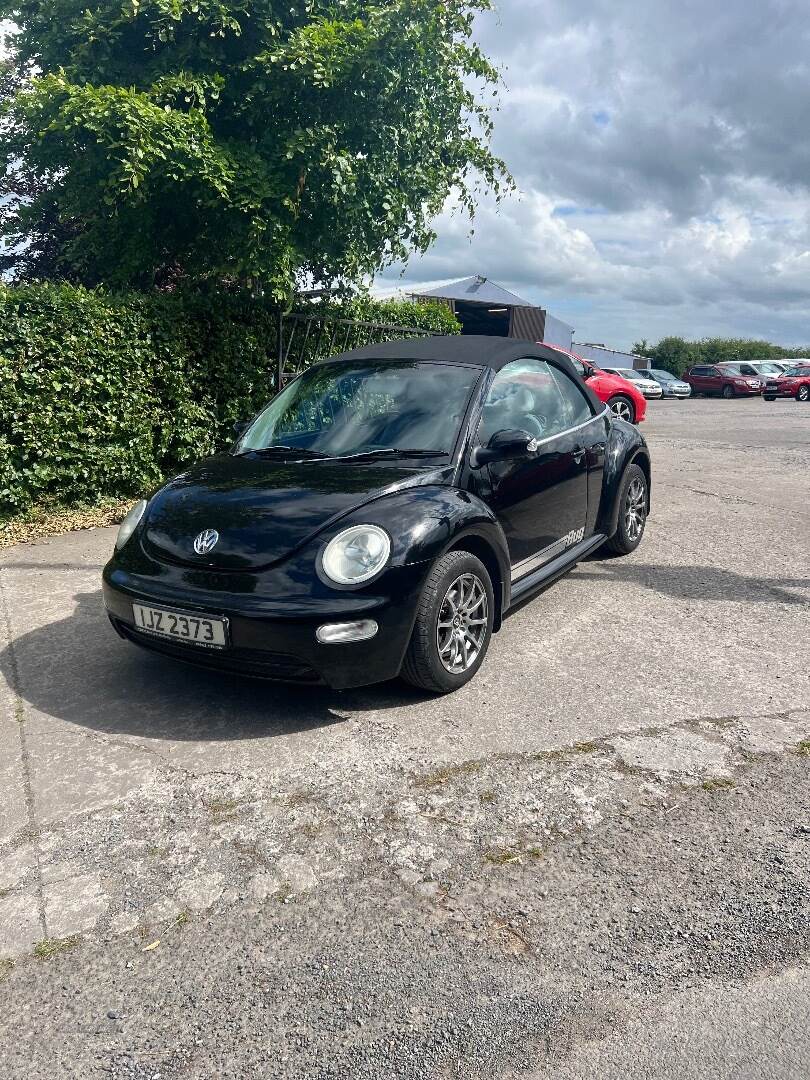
(478, 290)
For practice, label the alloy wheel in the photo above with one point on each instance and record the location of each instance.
(803, 394)
(622, 409)
(461, 629)
(635, 509)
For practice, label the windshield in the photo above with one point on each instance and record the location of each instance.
(630, 373)
(346, 408)
(663, 376)
(769, 369)
(798, 371)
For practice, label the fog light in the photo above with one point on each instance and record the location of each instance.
(339, 632)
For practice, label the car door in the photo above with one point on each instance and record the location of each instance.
(713, 381)
(540, 500)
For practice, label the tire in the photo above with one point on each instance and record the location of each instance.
(622, 407)
(728, 391)
(632, 501)
(423, 665)
(768, 397)
(803, 393)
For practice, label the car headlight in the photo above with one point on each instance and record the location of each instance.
(129, 524)
(356, 554)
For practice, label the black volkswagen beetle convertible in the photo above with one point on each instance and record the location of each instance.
(381, 516)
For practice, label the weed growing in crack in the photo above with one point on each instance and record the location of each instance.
(49, 947)
(447, 773)
(717, 783)
(503, 856)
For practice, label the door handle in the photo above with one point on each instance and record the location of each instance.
(578, 454)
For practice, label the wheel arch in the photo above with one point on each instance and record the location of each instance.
(482, 549)
(626, 447)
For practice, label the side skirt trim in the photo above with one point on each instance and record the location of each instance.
(546, 573)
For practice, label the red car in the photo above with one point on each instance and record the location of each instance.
(624, 399)
(795, 383)
(726, 380)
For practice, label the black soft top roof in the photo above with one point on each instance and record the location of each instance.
(479, 350)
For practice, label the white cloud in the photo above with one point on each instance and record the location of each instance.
(664, 172)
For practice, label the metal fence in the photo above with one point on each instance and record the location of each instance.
(302, 339)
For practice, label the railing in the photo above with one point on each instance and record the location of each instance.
(302, 339)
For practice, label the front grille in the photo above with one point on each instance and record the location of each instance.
(255, 662)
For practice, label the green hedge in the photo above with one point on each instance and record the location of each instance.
(104, 395)
(677, 355)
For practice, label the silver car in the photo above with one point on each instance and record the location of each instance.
(671, 385)
(648, 387)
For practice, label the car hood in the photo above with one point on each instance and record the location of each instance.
(263, 510)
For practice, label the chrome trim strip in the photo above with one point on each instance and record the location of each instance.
(569, 431)
(546, 554)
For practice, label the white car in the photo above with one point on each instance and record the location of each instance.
(649, 387)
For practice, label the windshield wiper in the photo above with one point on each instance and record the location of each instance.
(390, 452)
(279, 448)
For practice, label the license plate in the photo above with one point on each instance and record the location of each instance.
(202, 630)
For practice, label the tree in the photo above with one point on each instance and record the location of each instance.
(672, 354)
(256, 142)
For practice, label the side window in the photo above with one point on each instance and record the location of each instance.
(576, 408)
(530, 395)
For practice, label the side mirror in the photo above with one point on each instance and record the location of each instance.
(240, 427)
(506, 445)
(587, 371)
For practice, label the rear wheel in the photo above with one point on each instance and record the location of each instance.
(632, 500)
(803, 393)
(453, 625)
(623, 408)
(728, 391)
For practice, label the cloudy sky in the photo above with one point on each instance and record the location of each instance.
(662, 153)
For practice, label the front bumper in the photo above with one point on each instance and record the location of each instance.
(678, 391)
(274, 639)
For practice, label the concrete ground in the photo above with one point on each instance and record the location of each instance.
(592, 861)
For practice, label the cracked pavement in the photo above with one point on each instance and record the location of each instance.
(557, 872)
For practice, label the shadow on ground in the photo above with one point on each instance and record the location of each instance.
(79, 670)
(700, 582)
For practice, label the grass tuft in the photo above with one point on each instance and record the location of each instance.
(717, 783)
(49, 947)
(6, 967)
(504, 856)
(222, 810)
(803, 748)
(447, 773)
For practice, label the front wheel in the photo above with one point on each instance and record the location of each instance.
(633, 501)
(728, 391)
(623, 408)
(453, 625)
(803, 393)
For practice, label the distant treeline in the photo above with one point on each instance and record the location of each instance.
(676, 355)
